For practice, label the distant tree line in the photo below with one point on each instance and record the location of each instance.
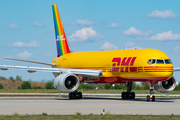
(177, 88)
(19, 78)
(1, 86)
(27, 85)
(86, 86)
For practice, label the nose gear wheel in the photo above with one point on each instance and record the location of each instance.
(151, 96)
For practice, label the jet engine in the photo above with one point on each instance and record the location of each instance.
(165, 86)
(66, 82)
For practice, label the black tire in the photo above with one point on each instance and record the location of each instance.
(79, 95)
(153, 98)
(126, 95)
(73, 95)
(123, 95)
(70, 95)
(148, 98)
(132, 95)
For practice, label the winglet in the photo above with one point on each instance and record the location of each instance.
(61, 41)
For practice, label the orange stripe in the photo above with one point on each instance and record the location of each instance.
(64, 44)
(91, 67)
(158, 71)
(157, 67)
(65, 49)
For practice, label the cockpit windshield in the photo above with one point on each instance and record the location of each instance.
(168, 61)
(159, 61)
(153, 61)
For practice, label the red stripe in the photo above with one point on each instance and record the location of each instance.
(132, 61)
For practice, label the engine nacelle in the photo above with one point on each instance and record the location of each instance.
(66, 82)
(165, 86)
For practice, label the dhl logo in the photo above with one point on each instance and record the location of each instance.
(118, 64)
(126, 65)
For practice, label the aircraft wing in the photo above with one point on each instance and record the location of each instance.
(176, 69)
(78, 72)
(50, 64)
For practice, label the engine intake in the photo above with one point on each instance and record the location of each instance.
(165, 86)
(66, 82)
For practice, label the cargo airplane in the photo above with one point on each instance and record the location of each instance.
(106, 67)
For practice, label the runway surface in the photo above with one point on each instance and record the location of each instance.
(87, 105)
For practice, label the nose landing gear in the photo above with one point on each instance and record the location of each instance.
(151, 96)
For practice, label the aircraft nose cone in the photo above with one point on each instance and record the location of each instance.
(68, 82)
(166, 83)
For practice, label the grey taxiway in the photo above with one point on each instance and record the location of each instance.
(64, 106)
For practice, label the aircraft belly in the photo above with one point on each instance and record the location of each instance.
(118, 77)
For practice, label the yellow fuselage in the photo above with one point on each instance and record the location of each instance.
(119, 66)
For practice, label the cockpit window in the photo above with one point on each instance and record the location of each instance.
(153, 61)
(159, 61)
(149, 61)
(168, 61)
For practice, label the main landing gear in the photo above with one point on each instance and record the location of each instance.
(75, 95)
(128, 94)
(151, 96)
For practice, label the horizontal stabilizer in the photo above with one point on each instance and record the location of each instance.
(176, 69)
(50, 64)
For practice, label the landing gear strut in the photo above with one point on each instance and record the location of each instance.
(128, 94)
(75, 95)
(151, 96)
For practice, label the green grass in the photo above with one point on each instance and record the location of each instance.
(83, 91)
(89, 117)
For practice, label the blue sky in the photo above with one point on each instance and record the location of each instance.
(27, 29)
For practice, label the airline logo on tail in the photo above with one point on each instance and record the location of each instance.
(60, 38)
(61, 41)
